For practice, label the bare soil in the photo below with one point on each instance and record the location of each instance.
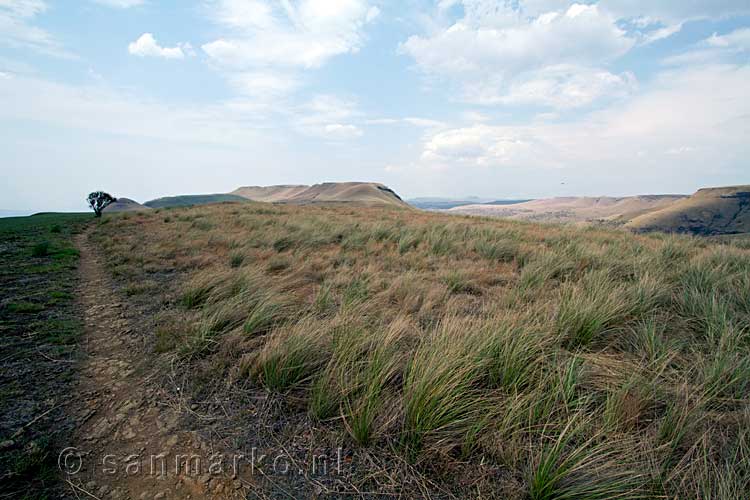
(129, 442)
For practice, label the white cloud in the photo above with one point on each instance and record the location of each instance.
(493, 45)
(714, 49)
(268, 43)
(647, 14)
(99, 108)
(17, 28)
(372, 14)
(680, 150)
(553, 53)
(341, 132)
(409, 120)
(325, 107)
(579, 35)
(146, 46)
(121, 4)
(304, 34)
(264, 84)
(738, 39)
(24, 8)
(701, 115)
(474, 117)
(478, 145)
(561, 87)
(328, 117)
(671, 12)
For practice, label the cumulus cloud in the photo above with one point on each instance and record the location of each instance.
(551, 53)
(492, 46)
(146, 46)
(581, 34)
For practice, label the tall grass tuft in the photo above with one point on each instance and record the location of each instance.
(512, 353)
(591, 308)
(592, 468)
(291, 356)
(442, 403)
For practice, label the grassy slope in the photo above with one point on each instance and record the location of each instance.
(502, 358)
(709, 211)
(39, 325)
(194, 199)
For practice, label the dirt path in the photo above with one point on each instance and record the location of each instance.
(128, 444)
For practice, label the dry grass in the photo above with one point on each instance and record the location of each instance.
(584, 363)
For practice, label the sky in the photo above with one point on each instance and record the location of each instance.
(490, 98)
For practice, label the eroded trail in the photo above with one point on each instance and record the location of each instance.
(128, 443)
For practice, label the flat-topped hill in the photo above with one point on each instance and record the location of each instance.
(370, 193)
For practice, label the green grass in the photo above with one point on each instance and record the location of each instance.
(291, 358)
(193, 200)
(39, 323)
(40, 249)
(24, 307)
(571, 466)
(236, 259)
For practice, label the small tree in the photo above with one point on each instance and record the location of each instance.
(99, 200)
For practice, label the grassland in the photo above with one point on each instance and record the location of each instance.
(39, 328)
(192, 200)
(464, 356)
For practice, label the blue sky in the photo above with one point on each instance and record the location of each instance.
(495, 98)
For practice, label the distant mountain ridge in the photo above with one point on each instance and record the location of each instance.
(574, 208)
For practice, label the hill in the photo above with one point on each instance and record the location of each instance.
(456, 357)
(574, 209)
(125, 205)
(193, 199)
(710, 211)
(369, 193)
